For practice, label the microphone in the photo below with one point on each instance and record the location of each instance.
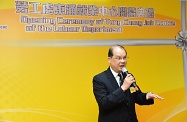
(124, 70)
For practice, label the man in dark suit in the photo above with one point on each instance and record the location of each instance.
(117, 102)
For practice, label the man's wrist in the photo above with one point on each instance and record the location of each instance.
(149, 92)
(147, 95)
(123, 89)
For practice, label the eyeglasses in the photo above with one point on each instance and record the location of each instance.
(120, 58)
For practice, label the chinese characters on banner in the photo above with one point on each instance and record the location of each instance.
(60, 17)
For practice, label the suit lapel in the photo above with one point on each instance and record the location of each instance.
(112, 79)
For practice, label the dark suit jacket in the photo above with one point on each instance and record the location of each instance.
(115, 105)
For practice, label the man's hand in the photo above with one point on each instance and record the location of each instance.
(127, 82)
(150, 95)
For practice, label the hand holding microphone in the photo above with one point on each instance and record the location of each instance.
(129, 80)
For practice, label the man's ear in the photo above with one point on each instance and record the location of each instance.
(109, 58)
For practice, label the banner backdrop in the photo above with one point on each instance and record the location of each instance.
(58, 20)
(54, 83)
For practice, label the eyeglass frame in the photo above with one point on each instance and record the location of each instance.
(120, 58)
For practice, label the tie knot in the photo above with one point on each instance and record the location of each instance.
(120, 75)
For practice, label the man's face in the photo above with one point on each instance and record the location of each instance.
(118, 60)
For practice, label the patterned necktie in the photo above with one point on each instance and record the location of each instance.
(120, 78)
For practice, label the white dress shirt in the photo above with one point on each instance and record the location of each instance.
(116, 76)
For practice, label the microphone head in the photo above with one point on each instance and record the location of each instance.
(124, 69)
(125, 72)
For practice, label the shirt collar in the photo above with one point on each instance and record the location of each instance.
(113, 72)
